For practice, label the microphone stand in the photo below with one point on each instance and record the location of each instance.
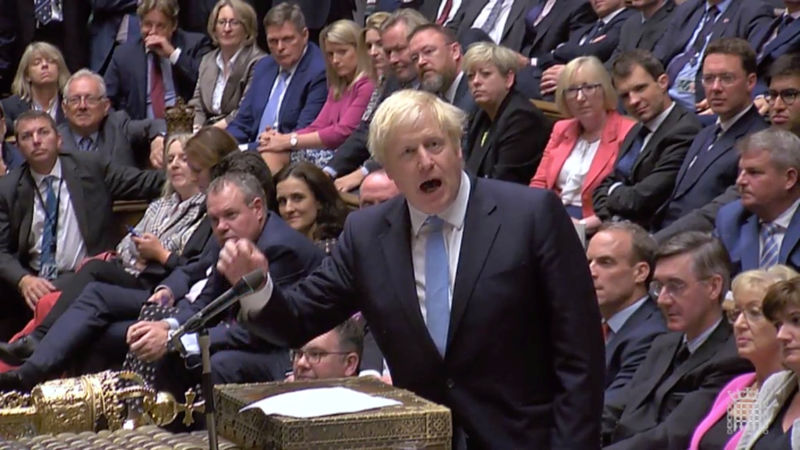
(208, 387)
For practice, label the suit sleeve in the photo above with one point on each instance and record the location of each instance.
(245, 121)
(10, 268)
(701, 219)
(339, 128)
(352, 154)
(129, 183)
(315, 99)
(188, 64)
(576, 338)
(520, 149)
(632, 357)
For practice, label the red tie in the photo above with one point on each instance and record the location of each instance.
(448, 4)
(606, 330)
(157, 88)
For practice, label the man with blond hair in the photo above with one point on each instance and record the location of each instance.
(520, 276)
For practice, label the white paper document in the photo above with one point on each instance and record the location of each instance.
(320, 402)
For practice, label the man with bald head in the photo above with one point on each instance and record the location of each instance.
(376, 188)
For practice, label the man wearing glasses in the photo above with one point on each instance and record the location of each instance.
(683, 370)
(92, 127)
(710, 166)
(335, 354)
(762, 228)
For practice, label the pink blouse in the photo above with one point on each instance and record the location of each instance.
(338, 118)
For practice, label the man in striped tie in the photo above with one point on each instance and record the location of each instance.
(763, 228)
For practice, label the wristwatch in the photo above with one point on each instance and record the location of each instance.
(293, 140)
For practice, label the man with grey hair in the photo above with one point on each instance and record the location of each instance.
(439, 268)
(684, 370)
(92, 126)
(762, 228)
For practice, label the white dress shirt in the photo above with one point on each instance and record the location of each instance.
(70, 249)
(222, 80)
(496, 33)
(574, 170)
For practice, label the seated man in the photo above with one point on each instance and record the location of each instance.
(684, 370)
(710, 165)
(643, 31)
(550, 23)
(758, 229)
(91, 127)
(502, 20)
(621, 257)
(288, 87)
(334, 354)
(784, 113)
(54, 211)
(653, 151)
(148, 75)
(236, 355)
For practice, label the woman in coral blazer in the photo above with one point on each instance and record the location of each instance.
(583, 149)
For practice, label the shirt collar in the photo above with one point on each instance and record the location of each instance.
(290, 71)
(611, 15)
(785, 218)
(221, 64)
(56, 172)
(794, 15)
(729, 123)
(450, 94)
(656, 121)
(701, 339)
(453, 215)
(618, 320)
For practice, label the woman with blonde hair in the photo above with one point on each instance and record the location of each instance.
(582, 149)
(347, 67)
(40, 78)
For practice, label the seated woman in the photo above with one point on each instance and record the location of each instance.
(583, 149)
(225, 72)
(41, 75)
(774, 421)
(349, 90)
(756, 342)
(507, 136)
(309, 202)
(172, 231)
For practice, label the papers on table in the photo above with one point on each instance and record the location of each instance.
(318, 402)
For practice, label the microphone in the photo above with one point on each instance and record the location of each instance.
(249, 283)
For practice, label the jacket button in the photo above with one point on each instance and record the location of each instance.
(450, 383)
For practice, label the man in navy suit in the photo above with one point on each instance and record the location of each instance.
(762, 228)
(693, 26)
(643, 31)
(453, 277)
(551, 23)
(502, 20)
(621, 259)
(710, 166)
(779, 38)
(288, 87)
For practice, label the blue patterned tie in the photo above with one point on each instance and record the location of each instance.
(85, 144)
(47, 264)
(494, 14)
(769, 246)
(437, 284)
(270, 115)
(43, 10)
(625, 164)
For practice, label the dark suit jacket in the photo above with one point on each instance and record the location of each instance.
(291, 257)
(521, 266)
(93, 184)
(566, 17)
(627, 349)
(660, 410)
(700, 219)
(14, 106)
(119, 137)
(126, 77)
(8, 44)
(107, 16)
(653, 174)
(737, 228)
(743, 19)
(12, 158)
(635, 34)
(514, 141)
(712, 175)
(73, 35)
(514, 30)
(238, 81)
(463, 98)
(302, 100)
(787, 41)
(602, 47)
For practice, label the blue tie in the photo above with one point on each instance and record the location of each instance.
(43, 10)
(769, 246)
(47, 267)
(625, 164)
(85, 144)
(533, 14)
(674, 67)
(437, 284)
(494, 14)
(270, 115)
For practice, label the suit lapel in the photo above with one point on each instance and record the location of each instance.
(666, 126)
(209, 78)
(789, 33)
(396, 247)
(791, 238)
(660, 367)
(517, 9)
(748, 248)
(605, 152)
(71, 176)
(24, 208)
(237, 74)
(480, 229)
(570, 137)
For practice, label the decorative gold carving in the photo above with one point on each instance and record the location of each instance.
(180, 117)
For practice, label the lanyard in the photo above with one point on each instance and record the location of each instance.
(44, 208)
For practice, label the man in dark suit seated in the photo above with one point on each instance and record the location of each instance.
(710, 165)
(463, 257)
(334, 354)
(643, 31)
(683, 371)
(693, 26)
(652, 152)
(347, 165)
(92, 127)
(784, 113)
(288, 87)
(762, 228)
(782, 36)
(502, 20)
(551, 23)
(621, 259)
(54, 211)
(148, 75)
